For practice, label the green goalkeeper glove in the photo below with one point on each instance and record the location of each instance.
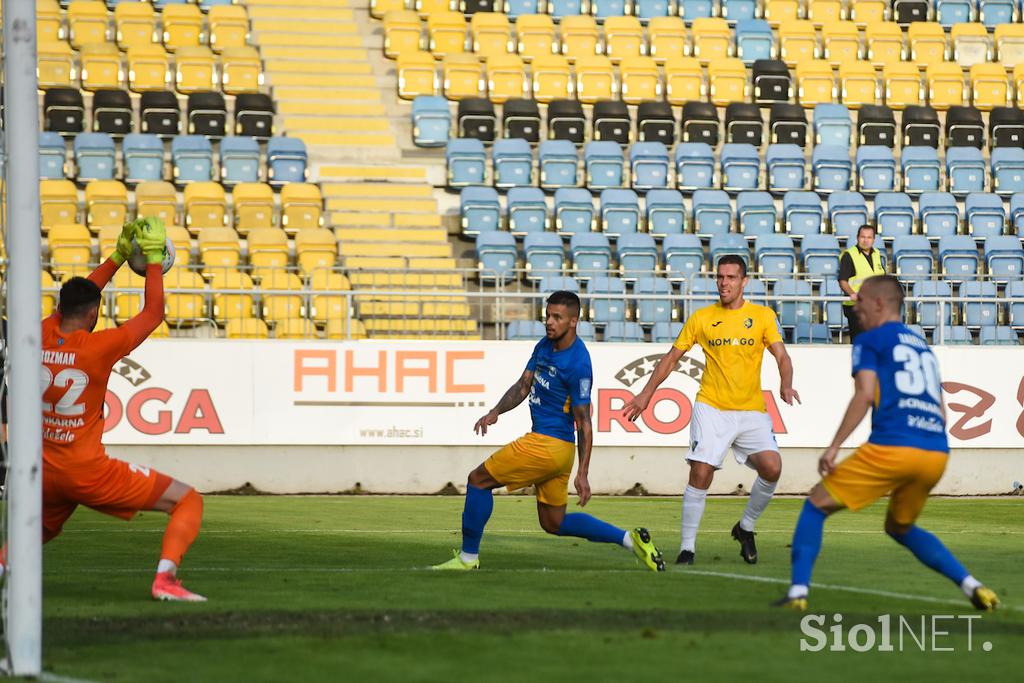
(123, 249)
(151, 236)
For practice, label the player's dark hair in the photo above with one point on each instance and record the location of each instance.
(886, 287)
(867, 226)
(77, 296)
(567, 299)
(735, 260)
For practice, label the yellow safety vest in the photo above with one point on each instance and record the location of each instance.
(862, 270)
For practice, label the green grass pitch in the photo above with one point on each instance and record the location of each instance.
(324, 588)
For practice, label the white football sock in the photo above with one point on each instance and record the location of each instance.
(797, 591)
(693, 510)
(468, 557)
(627, 541)
(760, 495)
(968, 585)
(166, 566)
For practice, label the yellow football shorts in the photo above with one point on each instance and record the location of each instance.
(535, 460)
(873, 471)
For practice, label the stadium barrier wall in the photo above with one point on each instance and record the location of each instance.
(397, 416)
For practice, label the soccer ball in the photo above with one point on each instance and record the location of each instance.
(137, 261)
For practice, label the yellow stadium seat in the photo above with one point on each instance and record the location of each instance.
(990, 87)
(506, 78)
(971, 44)
(328, 307)
(623, 38)
(229, 27)
(268, 248)
(535, 35)
(727, 80)
(550, 77)
(58, 202)
(246, 328)
(1009, 39)
(134, 24)
(927, 44)
(195, 69)
(667, 36)
(490, 34)
(778, 11)
(183, 26)
(446, 34)
(684, 80)
(87, 22)
(864, 12)
(106, 203)
(884, 43)
(902, 85)
(401, 33)
(840, 42)
(182, 242)
(219, 249)
(580, 37)
(858, 84)
(284, 305)
(315, 249)
(148, 68)
(712, 39)
(378, 8)
(105, 323)
(822, 12)
(205, 206)
(461, 76)
(108, 235)
(48, 295)
(48, 21)
(798, 41)
(815, 83)
(101, 67)
(241, 70)
(416, 75)
(228, 307)
(294, 328)
(70, 248)
(184, 308)
(595, 79)
(345, 329)
(126, 305)
(253, 206)
(55, 65)
(156, 199)
(428, 7)
(301, 207)
(945, 85)
(640, 80)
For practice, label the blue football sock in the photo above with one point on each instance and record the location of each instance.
(806, 543)
(479, 503)
(591, 528)
(929, 550)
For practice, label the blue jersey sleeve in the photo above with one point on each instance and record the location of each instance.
(865, 355)
(531, 364)
(580, 382)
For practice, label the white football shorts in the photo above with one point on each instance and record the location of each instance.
(714, 431)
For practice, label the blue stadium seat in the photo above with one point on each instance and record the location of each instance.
(1017, 212)
(695, 166)
(239, 160)
(695, 9)
(894, 213)
(937, 310)
(712, 213)
(544, 254)
(585, 330)
(559, 283)
(847, 211)
(620, 212)
(755, 213)
(479, 209)
(802, 213)
(754, 40)
(832, 125)
(638, 256)
(653, 311)
(831, 168)
(980, 313)
(623, 332)
(811, 333)
(939, 214)
(1015, 293)
(466, 161)
(998, 336)
(512, 159)
(52, 155)
(665, 333)
(991, 13)
(704, 290)
(191, 158)
(756, 291)
(603, 163)
(921, 169)
(820, 255)
(143, 157)
(833, 310)
(649, 9)
(950, 12)
(602, 9)
(648, 165)
(792, 313)
(785, 167)
(1007, 170)
(729, 243)
(741, 167)
(1004, 258)
(558, 163)
(591, 255)
(775, 256)
(496, 256)
(525, 330)
(527, 210)
(735, 11)
(666, 214)
(876, 169)
(912, 255)
(287, 161)
(955, 335)
(515, 8)
(984, 215)
(611, 308)
(574, 211)
(684, 256)
(965, 170)
(431, 121)
(918, 330)
(564, 8)
(94, 157)
(958, 257)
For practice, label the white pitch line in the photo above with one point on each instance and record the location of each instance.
(56, 678)
(241, 532)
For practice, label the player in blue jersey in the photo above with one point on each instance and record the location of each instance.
(897, 376)
(557, 380)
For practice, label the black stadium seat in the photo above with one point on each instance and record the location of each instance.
(254, 115)
(698, 122)
(1006, 127)
(772, 82)
(112, 112)
(787, 124)
(964, 127)
(743, 123)
(566, 121)
(876, 125)
(921, 127)
(159, 113)
(476, 119)
(611, 121)
(63, 111)
(207, 114)
(521, 119)
(655, 123)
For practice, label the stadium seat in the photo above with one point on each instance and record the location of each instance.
(971, 43)
(106, 204)
(574, 211)
(912, 256)
(58, 202)
(754, 40)
(665, 212)
(964, 127)
(315, 249)
(100, 66)
(741, 167)
(157, 198)
(666, 37)
(52, 156)
(543, 254)
(979, 313)
(623, 35)
(876, 125)
(611, 122)
(945, 85)
(811, 333)
(695, 166)
(550, 78)
(205, 206)
(55, 65)
(554, 283)
(667, 333)
(159, 113)
(246, 328)
(506, 78)
(1007, 170)
(831, 168)
(791, 313)
(1000, 335)
(207, 115)
(785, 167)
(525, 330)
(286, 161)
(527, 210)
(182, 26)
(755, 212)
(87, 23)
(935, 310)
(112, 112)
(252, 206)
(820, 256)
(475, 118)
(328, 305)
(513, 163)
(184, 308)
(901, 84)
(70, 246)
(984, 215)
(461, 77)
(833, 310)
(1015, 293)
(648, 163)
(1006, 127)
(63, 111)
(267, 247)
(712, 38)
(727, 81)
(939, 214)
(876, 169)
(479, 209)
(345, 328)
(521, 119)
(603, 164)
(431, 121)
(239, 160)
(858, 85)
(566, 121)
(954, 335)
(638, 256)
(712, 213)
(847, 211)
(401, 33)
(894, 214)
(229, 27)
(149, 68)
(655, 123)
(220, 254)
(94, 157)
(416, 75)
(595, 79)
(787, 123)
(815, 83)
(1004, 258)
(802, 213)
(684, 256)
(921, 170)
(591, 255)
(926, 43)
(490, 34)
(195, 70)
(684, 80)
(624, 332)
(446, 33)
(280, 306)
(295, 328)
(728, 244)
(654, 311)
(958, 257)
(1009, 44)
(841, 41)
(920, 127)
(619, 212)
(191, 158)
(556, 161)
(990, 87)
(535, 35)
(640, 80)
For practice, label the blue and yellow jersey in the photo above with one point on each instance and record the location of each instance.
(908, 405)
(561, 379)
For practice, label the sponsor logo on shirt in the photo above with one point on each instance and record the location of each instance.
(731, 341)
(748, 323)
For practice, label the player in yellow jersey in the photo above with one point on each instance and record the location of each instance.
(730, 409)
